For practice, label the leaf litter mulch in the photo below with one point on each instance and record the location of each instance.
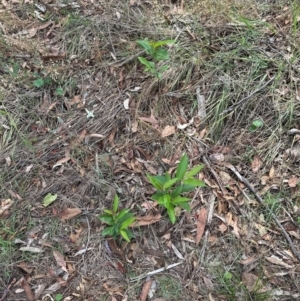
(80, 121)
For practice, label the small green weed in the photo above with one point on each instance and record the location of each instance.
(273, 204)
(157, 53)
(257, 123)
(170, 190)
(58, 297)
(118, 222)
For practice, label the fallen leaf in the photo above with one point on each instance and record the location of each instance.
(293, 181)
(201, 222)
(146, 220)
(151, 120)
(168, 130)
(272, 172)
(75, 235)
(75, 100)
(145, 290)
(60, 260)
(31, 249)
(251, 281)
(49, 199)
(208, 283)
(276, 260)
(134, 127)
(27, 289)
(256, 164)
(8, 161)
(60, 162)
(69, 213)
(223, 228)
(23, 265)
(5, 205)
(126, 103)
(149, 205)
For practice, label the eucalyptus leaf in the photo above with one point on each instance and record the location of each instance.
(170, 183)
(124, 235)
(194, 182)
(195, 170)
(171, 213)
(116, 203)
(107, 219)
(182, 167)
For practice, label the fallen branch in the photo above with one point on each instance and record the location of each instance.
(260, 200)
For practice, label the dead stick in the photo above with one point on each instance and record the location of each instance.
(206, 162)
(12, 282)
(260, 200)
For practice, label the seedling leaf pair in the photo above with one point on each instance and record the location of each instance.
(169, 190)
(118, 222)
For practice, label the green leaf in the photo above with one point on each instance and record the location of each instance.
(180, 199)
(164, 68)
(170, 183)
(127, 222)
(167, 176)
(187, 188)
(185, 206)
(38, 83)
(108, 231)
(167, 201)
(59, 91)
(58, 297)
(182, 167)
(127, 216)
(177, 191)
(161, 200)
(157, 195)
(146, 45)
(162, 43)
(116, 203)
(256, 124)
(195, 170)
(171, 213)
(160, 54)
(48, 199)
(154, 182)
(145, 62)
(107, 219)
(108, 211)
(125, 235)
(194, 182)
(121, 214)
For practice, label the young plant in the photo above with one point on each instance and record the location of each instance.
(157, 53)
(117, 221)
(170, 190)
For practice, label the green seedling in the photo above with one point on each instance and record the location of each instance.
(255, 125)
(58, 297)
(117, 221)
(157, 53)
(170, 190)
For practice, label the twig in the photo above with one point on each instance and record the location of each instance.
(247, 97)
(206, 162)
(87, 243)
(156, 271)
(131, 58)
(12, 282)
(260, 200)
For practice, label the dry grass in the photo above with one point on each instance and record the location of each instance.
(242, 54)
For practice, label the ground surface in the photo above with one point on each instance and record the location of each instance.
(80, 119)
